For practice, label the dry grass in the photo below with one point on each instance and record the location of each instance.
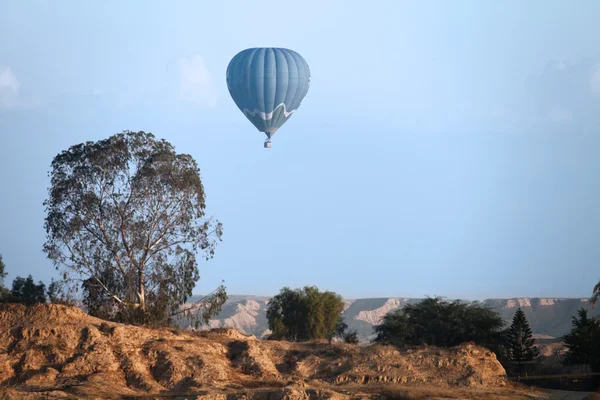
(58, 351)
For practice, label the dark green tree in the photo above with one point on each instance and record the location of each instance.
(595, 294)
(341, 332)
(97, 301)
(340, 328)
(304, 314)
(394, 329)
(58, 293)
(520, 347)
(583, 341)
(3, 272)
(53, 291)
(25, 291)
(350, 337)
(4, 292)
(441, 323)
(127, 214)
(286, 314)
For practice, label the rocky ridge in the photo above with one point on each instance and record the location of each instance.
(59, 351)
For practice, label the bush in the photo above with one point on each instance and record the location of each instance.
(351, 337)
(25, 291)
(439, 323)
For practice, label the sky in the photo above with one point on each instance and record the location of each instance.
(444, 148)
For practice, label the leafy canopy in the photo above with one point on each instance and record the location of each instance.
(125, 219)
(25, 291)
(440, 323)
(304, 314)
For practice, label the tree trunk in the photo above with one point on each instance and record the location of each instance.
(141, 291)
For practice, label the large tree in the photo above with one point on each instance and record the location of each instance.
(436, 322)
(583, 341)
(126, 216)
(520, 347)
(304, 314)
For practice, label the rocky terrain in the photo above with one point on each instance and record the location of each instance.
(55, 351)
(548, 317)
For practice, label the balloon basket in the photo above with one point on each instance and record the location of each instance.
(267, 145)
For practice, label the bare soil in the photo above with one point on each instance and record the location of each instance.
(55, 351)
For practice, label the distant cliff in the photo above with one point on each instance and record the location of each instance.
(546, 316)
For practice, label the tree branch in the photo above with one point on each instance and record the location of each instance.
(196, 303)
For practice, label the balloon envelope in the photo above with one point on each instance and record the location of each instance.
(268, 85)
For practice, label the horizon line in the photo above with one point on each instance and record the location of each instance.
(424, 297)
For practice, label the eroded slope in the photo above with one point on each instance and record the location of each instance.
(58, 350)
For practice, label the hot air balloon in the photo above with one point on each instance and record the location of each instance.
(268, 85)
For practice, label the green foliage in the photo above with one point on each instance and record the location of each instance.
(341, 332)
(203, 310)
(25, 291)
(350, 337)
(100, 302)
(595, 294)
(439, 323)
(394, 330)
(583, 341)
(4, 292)
(58, 293)
(125, 216)
(520, 348)
(286, 314)
(53, 291)
(304, 314)
(340, 329)
(4, 295)
(3, 272)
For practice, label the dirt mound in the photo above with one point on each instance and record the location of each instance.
(58, 351)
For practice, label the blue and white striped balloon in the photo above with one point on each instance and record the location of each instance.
(268, 85)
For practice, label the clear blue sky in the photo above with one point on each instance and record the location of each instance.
(444, 148)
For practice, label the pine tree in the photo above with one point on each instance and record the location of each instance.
(583, 341)
(520, 347)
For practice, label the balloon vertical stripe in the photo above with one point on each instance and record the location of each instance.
(268, 85)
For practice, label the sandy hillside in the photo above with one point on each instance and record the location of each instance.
(57, 351)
